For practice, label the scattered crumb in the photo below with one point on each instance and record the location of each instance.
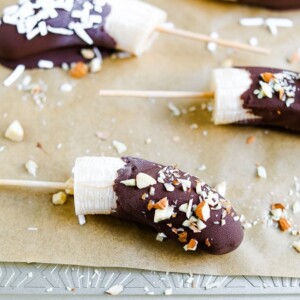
(102, 135)
(115, 290)
(211, 46)
(194, 126)
(296, 245)
(202, 168)
(59, 198)
(95, 65)
(261, 172)
(30, 275)
(66, 87)
(148, 141)
(221, 188)
(49, 290)
(253, 41)
(15, 132)
(31, 168)
(79, 70)
(168, 292)
(250, 140)
(32, 228)
(176, 139)
(174, 109)
(296, 207)
(120, 147)
(161, 237)
(294, 57)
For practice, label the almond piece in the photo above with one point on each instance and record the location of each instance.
(163, 214)
(281, 93)
(128, 182)
(267, 76)
(191, 246)
(182, 237)
(277, 206)
(150, 204)
(250, 140)
(284, 224)
(79, 70)
(161, 204)
(202, 211)
(144, 180)
(207, 242)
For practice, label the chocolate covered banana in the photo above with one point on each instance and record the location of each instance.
(247, 96)
(272, 4)
(56, 30)
(173, 203)
(33, 27)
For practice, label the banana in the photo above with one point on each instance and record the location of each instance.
(228, 85)
(93, 184)
(132, 24)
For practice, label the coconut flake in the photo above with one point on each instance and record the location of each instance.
(144, 180)
(115, 290)
(31, 168)
(14, 76)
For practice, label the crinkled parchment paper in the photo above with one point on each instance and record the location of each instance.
(66, 128)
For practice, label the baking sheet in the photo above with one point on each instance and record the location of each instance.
(66, 128)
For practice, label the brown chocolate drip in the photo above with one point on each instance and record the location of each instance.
(272, 4)
(272, 111)
(214, 239)
(15, 46)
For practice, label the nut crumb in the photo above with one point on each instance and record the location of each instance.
(59, 198)
(15, 132)
(115, 290)
(79, 70)
(31, 168)
(284, 224)
(250, 140)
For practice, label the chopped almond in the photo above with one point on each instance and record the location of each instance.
(267, 76)
(161, 204)
(182, 237)
(192, 245)
(150, 204)
(79, 70)
(144, 196)
(202, 211)
(277, 206)
(207, 242)
(281, 93)
(174, 230)
(284, 224)
(250, 140)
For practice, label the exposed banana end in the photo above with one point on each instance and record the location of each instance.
(229, 84)
(93, 184)
(132, 24)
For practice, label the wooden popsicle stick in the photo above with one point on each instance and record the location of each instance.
(156, 94)
(206, 38)
(35, 184)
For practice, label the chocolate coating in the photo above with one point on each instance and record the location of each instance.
(272, 4)
(15, 47)
(214, 239)
(272, 111)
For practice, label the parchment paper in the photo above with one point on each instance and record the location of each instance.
(71, 119)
